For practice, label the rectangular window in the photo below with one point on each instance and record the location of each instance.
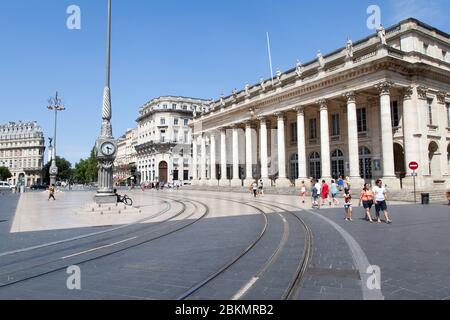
(185, 107)
(395, 114)
(186, 137)
(163, 136)
(430, 111)
(444, 55)
(448, 115)
(425, 48)
(335, 125)
(165, 106)
(175, 135)
(175, 122)
(312, 128)
(361, 118)
(174, 106)
(186, 122)
(163, 121)
(294, 132)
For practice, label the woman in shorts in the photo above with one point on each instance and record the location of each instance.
(366, 198)
(303, 192)
(348, 205)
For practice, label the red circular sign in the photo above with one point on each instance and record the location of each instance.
(414, 165)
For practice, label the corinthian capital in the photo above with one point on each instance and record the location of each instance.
(384, 87)
(299, 109)
(422, 92)
(350, 96)
(441, 97)
(407, 93)
(323, 103)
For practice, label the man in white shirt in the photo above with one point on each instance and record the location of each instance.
(380, 201)
(318, 186)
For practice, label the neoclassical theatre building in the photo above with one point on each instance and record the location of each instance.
(164, 139)
(364, 111)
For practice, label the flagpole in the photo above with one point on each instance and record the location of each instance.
(270, 57)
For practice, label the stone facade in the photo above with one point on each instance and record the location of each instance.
(164, 139)
(22, 147)
(125, 170)
(364, 111)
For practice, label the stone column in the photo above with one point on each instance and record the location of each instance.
(387, 141)
(194, 160)
(224, 182)
(248, 154)
(282, 181)
(325, 140)
(410, 129)
(236, 181)
(443, 124)
(213, 178)
(301, 145)
(203, 176)
(422, 136)
(353, 144)
(263, 151)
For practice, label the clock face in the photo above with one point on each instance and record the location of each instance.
(53, 170)
(108, 149)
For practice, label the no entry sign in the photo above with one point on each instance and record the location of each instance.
(414, 166)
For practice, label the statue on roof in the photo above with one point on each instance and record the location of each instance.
(262, 83)
(299, 68)
(247, 90)
(349, 49)
(382, 34)
(320, 59)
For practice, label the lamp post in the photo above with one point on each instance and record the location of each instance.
(54, 104)
(106, 145)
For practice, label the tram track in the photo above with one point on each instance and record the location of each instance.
(292, 291)
(61, 263)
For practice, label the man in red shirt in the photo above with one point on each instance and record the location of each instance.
(325, 192)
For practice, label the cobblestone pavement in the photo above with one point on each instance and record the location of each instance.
(175, 251)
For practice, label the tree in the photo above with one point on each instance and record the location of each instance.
(86, 171)
(5, 174)
(64, 170)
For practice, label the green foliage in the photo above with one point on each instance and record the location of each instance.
(86, 171)
(64, 170)
(5, 174)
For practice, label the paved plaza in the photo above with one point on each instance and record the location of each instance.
(209, 245)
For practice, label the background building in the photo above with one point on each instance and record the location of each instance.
(125, 170)
(164, 139)
(365, 111)
(22, 147)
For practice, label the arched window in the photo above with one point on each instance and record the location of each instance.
(365, 163)
(337, 164)
(293, 165)
(434, 164)
(314, 165)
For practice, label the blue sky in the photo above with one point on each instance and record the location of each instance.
(197, 48)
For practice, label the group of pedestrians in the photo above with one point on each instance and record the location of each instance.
(323, 193)
(257, 188)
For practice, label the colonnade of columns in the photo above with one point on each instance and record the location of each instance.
(282, 181)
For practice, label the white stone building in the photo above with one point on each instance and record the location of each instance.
(164, 139)
(365, 111)
(125, 170)
(22, 147)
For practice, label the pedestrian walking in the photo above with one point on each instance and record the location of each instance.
(315, 194)
(261, 187)
(255, 189)
(347, 184)
(380, 195)
(325, 192)
(303, 192)
(366, 198)
(318, 187)
(348, 205)
(334, 191)
(51, 192)
(340, 184)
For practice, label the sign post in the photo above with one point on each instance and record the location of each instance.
(414, 166)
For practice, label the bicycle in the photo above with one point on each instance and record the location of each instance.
(126, 200)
